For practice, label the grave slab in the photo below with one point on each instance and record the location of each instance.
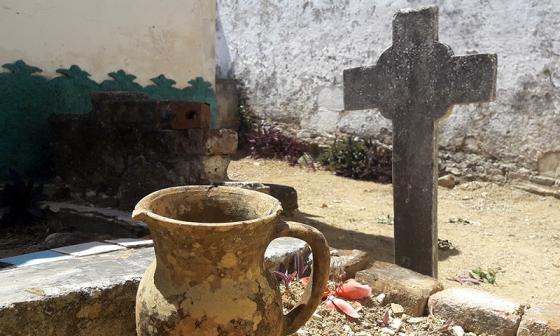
(93, 295)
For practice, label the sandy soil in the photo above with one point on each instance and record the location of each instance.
(499, 227)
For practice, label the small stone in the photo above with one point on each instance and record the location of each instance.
(305, 161)
(387, 331)
(414, 320)
(457, 331)
(541, 320)
(409, 289)
(380, 298)
(477, 310)
(362, 333)
(347, 328)
(396, 324)
(447, 181)
(397, 309)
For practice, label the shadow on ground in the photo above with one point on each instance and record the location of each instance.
(378, 247)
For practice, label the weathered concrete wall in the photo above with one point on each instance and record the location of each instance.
(144, 37)
(291, 54)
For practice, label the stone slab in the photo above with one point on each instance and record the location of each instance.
(35, 258)
(538, 189)
(541, 320)
(93, 295)
(400, 285)
(131, 242)
(477, 311)
(69, 217)
(87, 249)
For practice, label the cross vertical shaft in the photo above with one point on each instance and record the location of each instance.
(415, 194)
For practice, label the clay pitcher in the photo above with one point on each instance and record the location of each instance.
(208, 277)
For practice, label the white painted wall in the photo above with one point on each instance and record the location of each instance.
(144, 37)
(291, 54)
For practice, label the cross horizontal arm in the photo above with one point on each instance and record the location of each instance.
(473, 78)
(360, 88)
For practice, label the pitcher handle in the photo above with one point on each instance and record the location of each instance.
(313, 293)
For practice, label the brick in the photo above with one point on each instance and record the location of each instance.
(541, 320)
(477, 311)
(405, 287)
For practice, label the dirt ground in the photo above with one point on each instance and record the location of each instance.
(491, 226)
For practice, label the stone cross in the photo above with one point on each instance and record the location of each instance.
(415, 83)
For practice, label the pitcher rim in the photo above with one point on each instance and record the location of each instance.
(141, 209)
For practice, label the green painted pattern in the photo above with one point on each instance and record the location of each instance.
(27, 99)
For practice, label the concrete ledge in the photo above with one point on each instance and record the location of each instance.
(92, 295)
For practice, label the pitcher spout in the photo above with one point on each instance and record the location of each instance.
(140, 215)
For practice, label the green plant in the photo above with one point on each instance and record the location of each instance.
(488, 275)
(387, 220)
(20, 200)
(357, 158)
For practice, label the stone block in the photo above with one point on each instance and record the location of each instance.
(348, 261)
(405, 287)
(543, 180)
(285, 194)
(221, 142)
(214, 168)
(477, 311)
(541, 320)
